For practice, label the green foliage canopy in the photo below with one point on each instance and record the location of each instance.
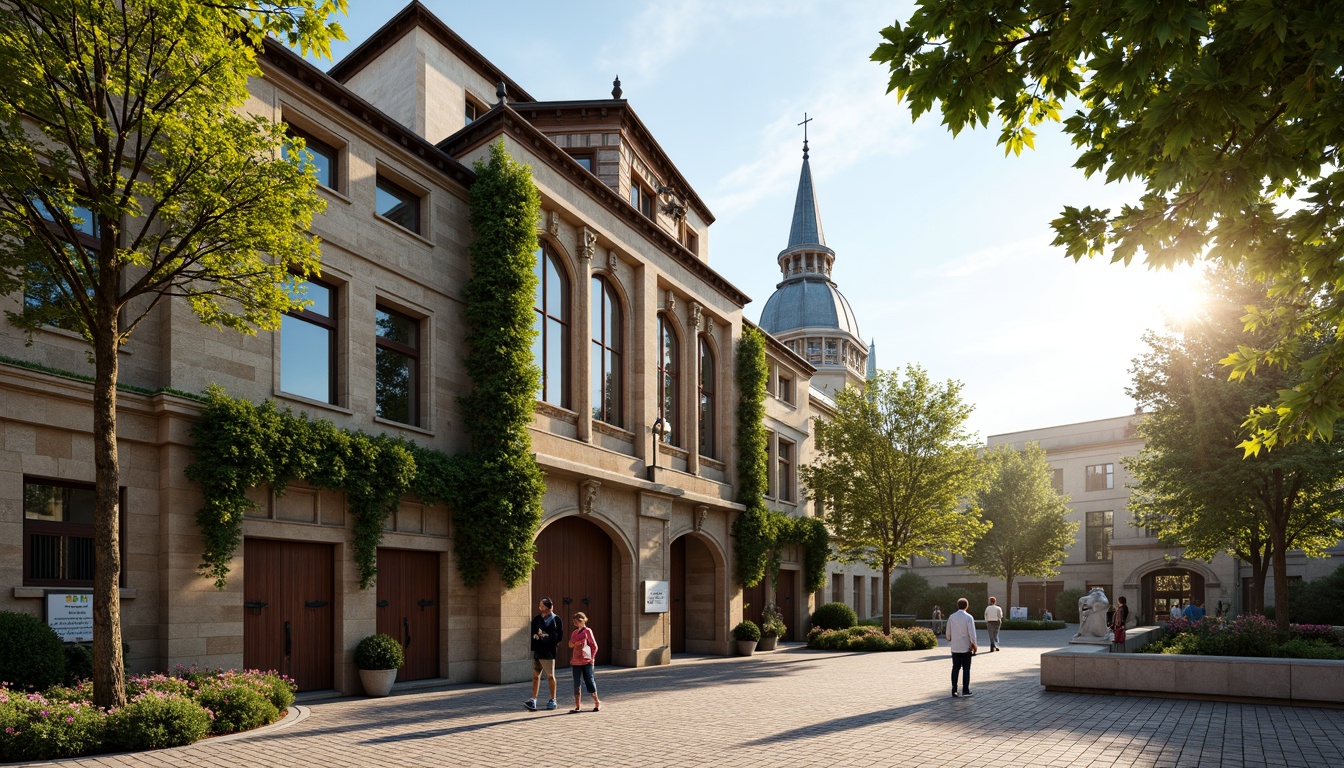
(1192, 485)
(1227, 113)
(896, 472)
(1029, 535)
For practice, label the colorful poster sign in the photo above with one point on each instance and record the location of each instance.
(71, 615)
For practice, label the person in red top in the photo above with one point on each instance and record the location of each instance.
(582, 656)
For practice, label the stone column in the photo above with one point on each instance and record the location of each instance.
(583, 331)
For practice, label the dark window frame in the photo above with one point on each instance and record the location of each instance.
(708, 399)
(331, 324)
(405, 196)
(1101, 480)
(413, 353)
(669, 370)
(641, 197)
(608, 405)
(1104, 529)
(65, 530)
(318, 147)
(786, 458)
(543, 305)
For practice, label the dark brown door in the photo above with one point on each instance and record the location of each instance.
(574, 570)
(678, 595)
(784, 600)
(408, 608)
(753, 603)
(288, 590)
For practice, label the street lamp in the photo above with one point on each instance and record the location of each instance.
(661, 431)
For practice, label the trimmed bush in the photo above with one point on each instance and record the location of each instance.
(910, 593)
(870, 639)
(78, 662)
(379, 652)
(154, 720)
(1066, 605)
(236, 705)
(1318, 602)
(835, 616)
(1302, 648)
(747, 631)
(36, 728)
(32, 655)
(923, 638)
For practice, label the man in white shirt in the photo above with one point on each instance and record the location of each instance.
(961, 636)
(993, 620)
(1176, 610)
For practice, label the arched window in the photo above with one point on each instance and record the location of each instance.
(708, 399)
(667, 379)
(605, 379)
(550, 347)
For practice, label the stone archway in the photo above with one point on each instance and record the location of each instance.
(1165, 587)
(577, 568)
(696, 585)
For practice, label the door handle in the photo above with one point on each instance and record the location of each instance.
(289, 639)
(425, 604)
(383, 603)
(406, 627)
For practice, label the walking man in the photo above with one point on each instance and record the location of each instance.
(547, 632)
(993, 620)
(961, 635)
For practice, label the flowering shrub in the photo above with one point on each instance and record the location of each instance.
(1249, 635)
(865, 638)
(163, 711)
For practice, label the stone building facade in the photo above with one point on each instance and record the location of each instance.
(634, 428)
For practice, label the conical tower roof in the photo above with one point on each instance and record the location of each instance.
(806, 227)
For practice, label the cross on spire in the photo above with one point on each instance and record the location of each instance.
(806, 120)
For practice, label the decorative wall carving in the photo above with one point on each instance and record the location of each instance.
(588, 245)
(590, 493)
(701, 514)
(555, 223)
(696, 311)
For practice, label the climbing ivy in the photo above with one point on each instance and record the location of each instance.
(240, 446)
(760, 532)
(497, 514)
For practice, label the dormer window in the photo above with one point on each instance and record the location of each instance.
(642, 198)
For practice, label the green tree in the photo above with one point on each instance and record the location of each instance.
(498, 508)
(128, 175)
(1193, 487)
(1029, 535)
(1227, 112)
(895, 471)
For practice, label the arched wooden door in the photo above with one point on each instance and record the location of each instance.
(574, 561)
(677, 587)
(695, 596)
(1170, 586)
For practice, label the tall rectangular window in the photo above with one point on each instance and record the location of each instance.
(321, 156)
(605, 366)
(398, 205)
(708, 399)
(397, 367)
(785, 473)
(308, 344)
(641, 198)
(1057, 480)
(772, 475)
(1100, 477)
(785, 388)
(57, 533)
(52, 290)
(1100, 526)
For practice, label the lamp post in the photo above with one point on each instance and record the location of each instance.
(661, 430)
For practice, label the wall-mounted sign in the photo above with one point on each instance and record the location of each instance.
(657, 597)
(1018, 612)
(71, 615)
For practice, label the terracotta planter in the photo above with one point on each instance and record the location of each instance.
(377, 682)
(767, 643)
(746, 647)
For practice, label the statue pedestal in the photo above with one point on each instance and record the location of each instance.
(1090, 640)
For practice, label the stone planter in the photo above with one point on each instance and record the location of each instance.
(746, 647)
(377, 682)
(767, 643)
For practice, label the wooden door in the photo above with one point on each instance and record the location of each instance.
(677, 587)
(408, 608)
(753, 603)
(574, 569)
(288, 591)
(784, 600)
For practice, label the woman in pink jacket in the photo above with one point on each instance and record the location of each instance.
(582, 656)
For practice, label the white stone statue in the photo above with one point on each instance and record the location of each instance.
(1092, 609)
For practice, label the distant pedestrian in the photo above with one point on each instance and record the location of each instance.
(582, 657)
(1047, 615)
(1194, 611)
(993, 620)
(547, 632)
(961, 636)
(1121, 617)
(937, 620)
(1176, 612)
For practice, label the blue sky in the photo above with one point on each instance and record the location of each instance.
(942, 245)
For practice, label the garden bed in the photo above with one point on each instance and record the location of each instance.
(866, 638)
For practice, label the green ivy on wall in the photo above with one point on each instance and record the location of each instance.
(760, 532)
(240, 446)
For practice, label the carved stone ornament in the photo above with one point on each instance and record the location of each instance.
(589, 495)
(589, 242)
(555, 223)
(670, 303)
(612, 261)
(701, 514)
(696, 311)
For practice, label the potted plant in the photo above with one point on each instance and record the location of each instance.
(772, 627)
(378, 658)
(747, 634)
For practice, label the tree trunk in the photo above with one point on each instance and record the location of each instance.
(1259, 568)
(109, 673)
(1279, 512)
(1008, 598)
(887, 564)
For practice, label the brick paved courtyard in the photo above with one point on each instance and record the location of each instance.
(793, 707)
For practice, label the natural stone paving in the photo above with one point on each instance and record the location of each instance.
(793, 707)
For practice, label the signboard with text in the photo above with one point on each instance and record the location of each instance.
(657, 597)
(71, 615)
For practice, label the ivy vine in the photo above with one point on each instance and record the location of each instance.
(760, 532)
(240, 446)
